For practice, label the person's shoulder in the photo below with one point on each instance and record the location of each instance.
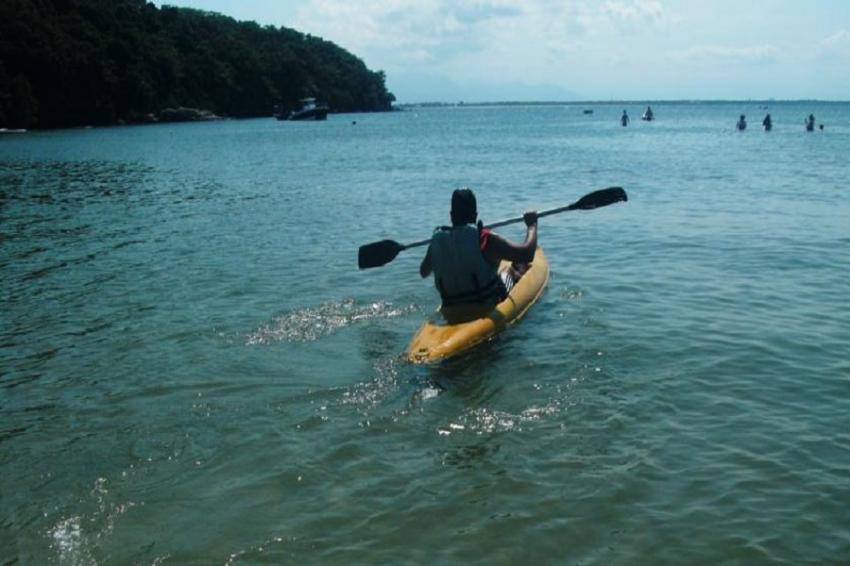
(493, 239)
(484, 236)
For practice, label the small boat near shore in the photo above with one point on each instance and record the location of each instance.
(309, 110)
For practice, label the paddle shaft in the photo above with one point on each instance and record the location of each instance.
(381, 253)
(504, 222)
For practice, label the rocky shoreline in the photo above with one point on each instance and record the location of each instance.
(178, 114)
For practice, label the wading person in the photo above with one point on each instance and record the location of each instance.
(810, 123)
(465, 257)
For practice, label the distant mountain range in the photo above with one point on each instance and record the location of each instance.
(95, 62)
(413, 88)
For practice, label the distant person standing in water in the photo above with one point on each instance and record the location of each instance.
(767, 123)
(820, 127)
(624, 119)
(810, 123)
(742, 123)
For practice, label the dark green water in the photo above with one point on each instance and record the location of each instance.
(192, 370)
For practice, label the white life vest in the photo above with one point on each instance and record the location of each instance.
(461, 273)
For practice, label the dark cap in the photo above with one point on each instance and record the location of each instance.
(464, 206)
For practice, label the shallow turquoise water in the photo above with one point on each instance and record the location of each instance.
(193, 370)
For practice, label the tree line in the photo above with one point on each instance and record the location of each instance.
(96, 62)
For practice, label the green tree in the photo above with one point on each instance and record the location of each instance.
(77, 62)
(22, 107)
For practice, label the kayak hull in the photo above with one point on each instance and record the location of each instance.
(456, 329)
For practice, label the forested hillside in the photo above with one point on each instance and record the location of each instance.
(94, 62)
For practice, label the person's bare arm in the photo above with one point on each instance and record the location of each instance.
(499, 248)
(425, 267)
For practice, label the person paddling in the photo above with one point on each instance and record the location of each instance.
(465, 257)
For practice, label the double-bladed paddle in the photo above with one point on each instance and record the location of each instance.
(381, 253)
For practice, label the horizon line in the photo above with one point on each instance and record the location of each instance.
(618, 101)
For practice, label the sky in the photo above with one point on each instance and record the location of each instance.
(558, 50)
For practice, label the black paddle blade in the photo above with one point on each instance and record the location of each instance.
(378, 253)
(600, 198)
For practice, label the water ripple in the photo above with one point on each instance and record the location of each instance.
(312, 323)
(678, 396)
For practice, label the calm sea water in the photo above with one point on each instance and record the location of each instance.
(193, 370)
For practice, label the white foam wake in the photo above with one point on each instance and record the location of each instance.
(312, 323)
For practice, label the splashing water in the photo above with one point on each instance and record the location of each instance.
(75, 539)
(485, 420)
(309, 324)
(67, 540)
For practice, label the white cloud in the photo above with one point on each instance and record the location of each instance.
(522, 34)
(724, 55)
(570, 44)
(474, 39)
(839, 39)
(401, 24)
(637, 11)
(836, 46)
(603, 48)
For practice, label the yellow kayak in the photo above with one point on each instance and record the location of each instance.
(456, 329)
